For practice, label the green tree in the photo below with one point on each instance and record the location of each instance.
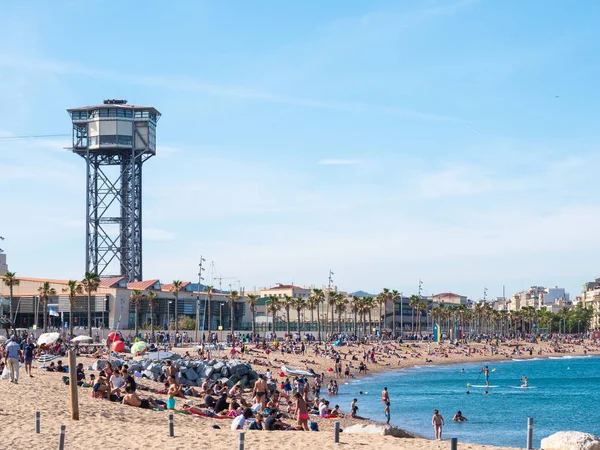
(318, 297)
(299, 304)
(135, 298)
(152, 303)
(73, 289)
(273, 306)
(413, 301)
(46, 291)
(232, 297)
(252, 301)
(90, 284)
(287, 303)
(175, 289)
(10, 280)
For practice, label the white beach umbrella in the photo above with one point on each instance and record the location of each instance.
(3, 339)
(48, 338)
(82, 339)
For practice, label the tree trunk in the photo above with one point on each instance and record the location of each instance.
(380, 326)
(71, 318)
(152, 321)
(253, 322)
(355, 314)
(412, 321)
(135, 320)
(89, 308)
(46, 315)
(176, 314)
(394, 319)
(274, 313)
(232, 323)
(287, 314)
(332, 317)
(299, 328)
(326, 319)
(11, 317)
(339, 322)
(209, 325)
(319, 322)
(364, 324)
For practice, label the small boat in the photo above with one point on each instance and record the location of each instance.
(297, 372)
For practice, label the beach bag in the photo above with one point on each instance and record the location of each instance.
(5, 374)
(314, 426)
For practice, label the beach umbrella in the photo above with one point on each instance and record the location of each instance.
(48, 338)
(139, 347)
(3, 339)
(82, 339)
(118, 346)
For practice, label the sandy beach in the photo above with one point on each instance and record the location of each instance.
(104, 424)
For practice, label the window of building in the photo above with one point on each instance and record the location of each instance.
(108, 140)
(93, 140)
(124, 140)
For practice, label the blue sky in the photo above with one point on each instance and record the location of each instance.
(452, 141)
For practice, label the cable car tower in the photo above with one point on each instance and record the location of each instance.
(114, 139)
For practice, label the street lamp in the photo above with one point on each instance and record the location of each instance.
(221, 322)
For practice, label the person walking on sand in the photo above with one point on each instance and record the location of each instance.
(28, 355)
(438, 422)
(11, 353)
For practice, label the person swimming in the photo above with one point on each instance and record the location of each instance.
(458, 417)
(525, 381)
(462, 370)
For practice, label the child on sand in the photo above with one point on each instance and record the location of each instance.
(438, 422)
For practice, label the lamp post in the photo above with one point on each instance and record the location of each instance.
(221, 322)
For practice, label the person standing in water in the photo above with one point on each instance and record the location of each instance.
(385, 396)
(438, 422)
(386, 411)
(486, 372)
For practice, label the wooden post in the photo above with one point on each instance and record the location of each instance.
(336, 433)
(73, 385)
(61, 437)
(529, 433)
(453, 444)
(241, 440)
(171, 426)
(37, 422)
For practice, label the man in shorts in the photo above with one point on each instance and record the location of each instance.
(28, 355)
(302, 411)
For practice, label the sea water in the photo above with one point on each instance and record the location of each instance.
(564, 394)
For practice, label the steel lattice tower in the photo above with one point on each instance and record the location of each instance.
(115, 139)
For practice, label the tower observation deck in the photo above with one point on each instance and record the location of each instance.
(114, 139)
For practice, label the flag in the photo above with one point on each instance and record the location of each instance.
(52, 312)
(436, 333)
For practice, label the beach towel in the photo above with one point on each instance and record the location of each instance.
(46, 357)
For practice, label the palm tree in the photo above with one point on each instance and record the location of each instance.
(421, 305)
(136, 297)
(273, 305)
(340, 308)
(73, 288)
(152, 302)
(394, 295)
(252, 301)
(233, 297)
(311, 305)
(45, 291)
(11, 280)
(331, 300)
(287, 303)
(175, 289)
(319, 297)
(413, 302)
(298, 304)
(209, 294)
(90, 284)
(370, 304)
(355, 310)
(382, 299)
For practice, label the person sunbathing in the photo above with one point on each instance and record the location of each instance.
(132, 399)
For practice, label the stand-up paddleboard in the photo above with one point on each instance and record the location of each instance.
(523, 387)
(482, 386)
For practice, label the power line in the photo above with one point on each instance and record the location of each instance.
(37, 136)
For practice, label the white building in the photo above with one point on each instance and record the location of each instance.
(554, 294)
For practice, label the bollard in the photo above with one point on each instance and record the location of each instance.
(529, 433)
(336, 435)
(61, 437)
(241, 440)
(453, 444)
(37, 422)
(171, 426)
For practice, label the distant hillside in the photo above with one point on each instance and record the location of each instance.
(362, 294)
